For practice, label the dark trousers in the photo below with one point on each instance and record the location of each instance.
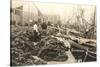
(35, 36)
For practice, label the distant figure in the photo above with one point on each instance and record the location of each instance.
(35, 27)
(44, 28)
(35, 34)
(44, 25)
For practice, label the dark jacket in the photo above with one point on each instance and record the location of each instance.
(44, 26)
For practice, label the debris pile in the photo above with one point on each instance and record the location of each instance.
(23, 49)
(49, 48)
(24, 52)
(52, 49)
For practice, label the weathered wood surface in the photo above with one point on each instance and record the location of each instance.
(80, 40)
(75, 35)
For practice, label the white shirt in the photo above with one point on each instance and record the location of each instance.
(35, 27)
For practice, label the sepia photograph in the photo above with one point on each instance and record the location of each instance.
(43, 33)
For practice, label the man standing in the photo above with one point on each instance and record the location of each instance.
(35, 32)
(44, 28)
(44, 25)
